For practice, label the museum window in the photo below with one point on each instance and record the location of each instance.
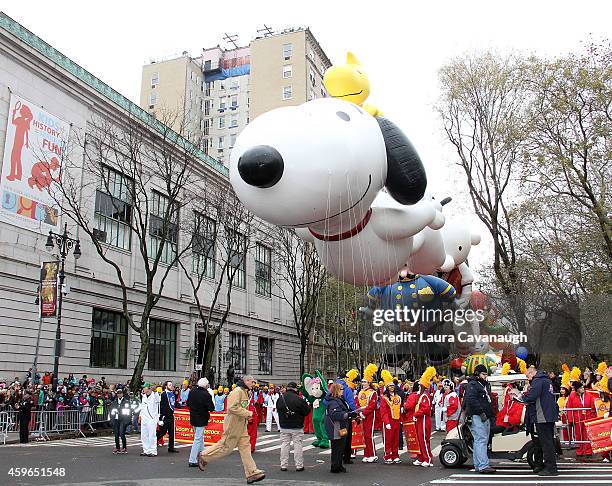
(264, 352)
(163, 229)
(108, 340)
(238, 352)
(287, 92)
(205, 229)
(287, 51)
(287, 71)
(162, 345)
(236, 246)
(113, 209)
(263, 270)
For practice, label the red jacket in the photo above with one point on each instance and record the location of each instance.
(409, 404)
(453, 403)
(586, 401)
(512, 409)
(423, 406)
(370, 408)
(385, 409)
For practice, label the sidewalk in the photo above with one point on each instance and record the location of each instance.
(13, 437)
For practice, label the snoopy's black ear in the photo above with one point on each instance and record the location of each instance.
(406, 178)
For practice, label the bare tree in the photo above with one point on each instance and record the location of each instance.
(483, 110)
(126, 186)
(300, 279)
(570, 138)
(223, 233)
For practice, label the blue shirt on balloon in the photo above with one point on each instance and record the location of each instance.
(414, 291)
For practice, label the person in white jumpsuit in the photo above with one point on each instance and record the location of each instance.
(438, 400)
(270, 403)
(149, 417)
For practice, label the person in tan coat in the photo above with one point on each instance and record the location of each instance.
(235, 433)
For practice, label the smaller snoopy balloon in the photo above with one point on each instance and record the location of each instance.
(351, 183)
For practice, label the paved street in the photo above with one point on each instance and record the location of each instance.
(89, 461)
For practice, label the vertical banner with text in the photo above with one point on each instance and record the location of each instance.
(48, 289)
(33, 151)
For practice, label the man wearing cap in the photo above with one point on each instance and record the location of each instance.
(292, 409)
(166, 410)
(542, 412)
(200, 405)
(121, 417)
(149, 416)
(477, 405)
(235, 433)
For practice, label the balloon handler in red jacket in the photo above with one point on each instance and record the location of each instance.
(368, 401)
(422, 419)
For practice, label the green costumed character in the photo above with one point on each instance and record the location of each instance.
(315, 390)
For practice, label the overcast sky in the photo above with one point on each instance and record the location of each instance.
(401, 47)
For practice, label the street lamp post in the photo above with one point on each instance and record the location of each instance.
(64, 244)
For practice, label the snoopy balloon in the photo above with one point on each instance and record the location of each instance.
(458, 241)
(321, 168)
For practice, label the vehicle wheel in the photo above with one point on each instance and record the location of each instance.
(450, 456)
(535, 457)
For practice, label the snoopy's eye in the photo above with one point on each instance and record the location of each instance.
(343, 115)
(460, 248)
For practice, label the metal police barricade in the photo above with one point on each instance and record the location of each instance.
(7, 424)
(99, 414)
(571, 428)
(58, 422)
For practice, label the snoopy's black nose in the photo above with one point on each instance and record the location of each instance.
(261, 166)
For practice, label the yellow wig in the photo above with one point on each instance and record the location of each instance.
(575, 374)
(565, 379)
(387, 377)
(522, 365)
(368, 373)
(427, 376)
(505, 369)
(601, 368)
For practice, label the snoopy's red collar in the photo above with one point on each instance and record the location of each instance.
(347, 234)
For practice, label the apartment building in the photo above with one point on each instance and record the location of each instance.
(45, 92)
(287, 70)
(236, 85)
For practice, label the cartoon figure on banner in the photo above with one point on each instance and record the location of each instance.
(22, 128)
(349, 82)
(315, 389)
(340, 205)
(42, 173)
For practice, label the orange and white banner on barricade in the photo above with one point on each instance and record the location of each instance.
(357, 441)
(412, 443)
(598, 432)
(183, 431)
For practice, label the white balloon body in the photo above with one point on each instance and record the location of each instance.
(458, 240)
(428, 247)
(375, 254)
(335, 166)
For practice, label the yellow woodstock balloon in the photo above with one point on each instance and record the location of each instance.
(349, 82)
